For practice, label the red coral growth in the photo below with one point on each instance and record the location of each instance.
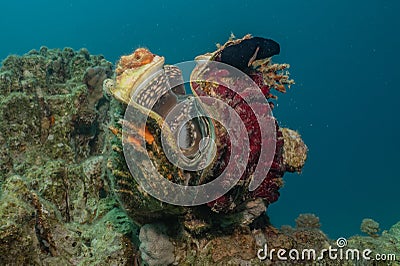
(268, 190)
(258, 78)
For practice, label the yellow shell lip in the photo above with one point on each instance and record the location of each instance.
(148, 71)
(129, 79)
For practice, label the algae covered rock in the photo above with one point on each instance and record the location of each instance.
(55, 204)
(386, 246)
(46, 111)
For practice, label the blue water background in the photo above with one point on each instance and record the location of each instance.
(344, 56)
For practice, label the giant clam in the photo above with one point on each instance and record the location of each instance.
(177, 145)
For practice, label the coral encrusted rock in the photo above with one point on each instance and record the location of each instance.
(55, 205)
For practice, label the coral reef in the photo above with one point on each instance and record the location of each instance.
(67, 196)
(370, 227)
(307, 220)
(56, 208)
(385, 247)
(294, 150)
